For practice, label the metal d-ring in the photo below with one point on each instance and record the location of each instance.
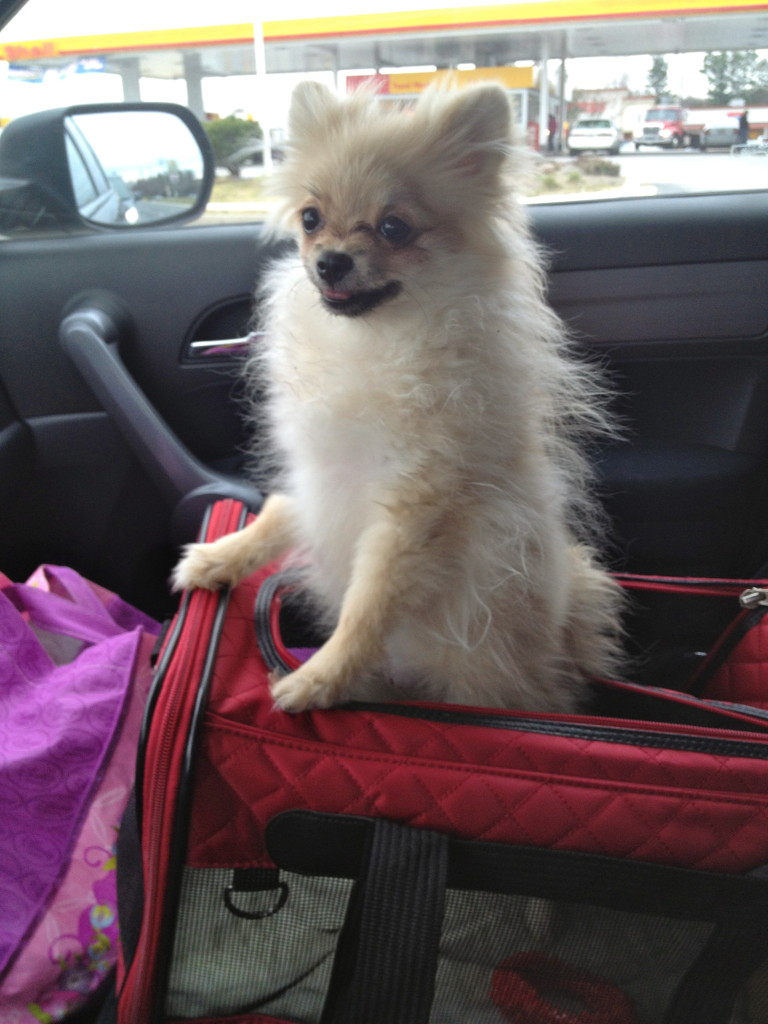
(255, 915)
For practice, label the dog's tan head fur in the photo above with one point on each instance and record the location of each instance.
(375, 193)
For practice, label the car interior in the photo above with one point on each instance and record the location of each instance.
(667, 293)
(122, 411)
(123, 414)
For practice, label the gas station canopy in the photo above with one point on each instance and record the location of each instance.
(487, 36)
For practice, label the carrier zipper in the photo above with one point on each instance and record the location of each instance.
(706, 586)
(165, 721)
(753, 597)
(171, 711)
(694, 739)
(753, 602)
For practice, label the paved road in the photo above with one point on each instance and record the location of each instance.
(690, 170)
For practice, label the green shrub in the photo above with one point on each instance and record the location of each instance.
(597, 165)
(228, 134)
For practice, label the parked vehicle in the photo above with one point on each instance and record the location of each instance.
(596, 134)
(722, 135)
(668, 127)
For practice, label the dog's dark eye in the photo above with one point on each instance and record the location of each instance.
(395, 230)
(310, 219)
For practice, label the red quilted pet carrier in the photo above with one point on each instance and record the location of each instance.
(415, 863)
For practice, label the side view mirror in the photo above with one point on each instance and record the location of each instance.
(108, 165)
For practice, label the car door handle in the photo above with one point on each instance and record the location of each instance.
(221, 347)
(89, 335)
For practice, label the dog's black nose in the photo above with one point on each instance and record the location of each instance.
(332, 266)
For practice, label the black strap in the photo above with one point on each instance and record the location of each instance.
(386, 961)
(735, 950)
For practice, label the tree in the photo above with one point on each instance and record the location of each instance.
(227, 135)
(735, 75)
(657, 78)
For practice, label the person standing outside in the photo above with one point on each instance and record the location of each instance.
(552, 133)
(743, 129)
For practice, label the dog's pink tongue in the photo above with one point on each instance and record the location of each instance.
(335, 296)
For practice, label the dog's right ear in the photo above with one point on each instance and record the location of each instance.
(472, 128)
(311, 105)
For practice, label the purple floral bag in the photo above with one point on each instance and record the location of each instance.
(74, 678)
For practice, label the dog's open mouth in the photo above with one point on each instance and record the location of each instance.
(355, 303)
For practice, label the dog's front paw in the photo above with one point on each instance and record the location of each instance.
(303, 690)
(202, 566)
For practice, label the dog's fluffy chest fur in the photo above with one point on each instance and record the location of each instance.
(361, 418)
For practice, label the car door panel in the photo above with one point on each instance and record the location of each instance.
(16, 466)
(90, 501)
(690, 301)
(654, 231)
(92, 506)
(669, 294)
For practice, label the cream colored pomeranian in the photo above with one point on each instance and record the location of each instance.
(427, 419)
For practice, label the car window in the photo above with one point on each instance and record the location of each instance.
(584, 123)
(82, 182)
(678, 115)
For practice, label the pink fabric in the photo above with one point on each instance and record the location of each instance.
(74, 676)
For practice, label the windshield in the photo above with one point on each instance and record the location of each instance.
(619, 72)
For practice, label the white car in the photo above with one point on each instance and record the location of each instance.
(594, 133)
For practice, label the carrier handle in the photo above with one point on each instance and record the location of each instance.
(266, 620)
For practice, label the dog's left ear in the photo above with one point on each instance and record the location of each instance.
(311, 104)
(474, 128)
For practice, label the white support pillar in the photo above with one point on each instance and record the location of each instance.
(560, 140)
(262, 98)
(130, 73)
(544, 93)
(193, 75)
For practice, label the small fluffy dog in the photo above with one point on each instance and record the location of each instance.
(427, 419)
